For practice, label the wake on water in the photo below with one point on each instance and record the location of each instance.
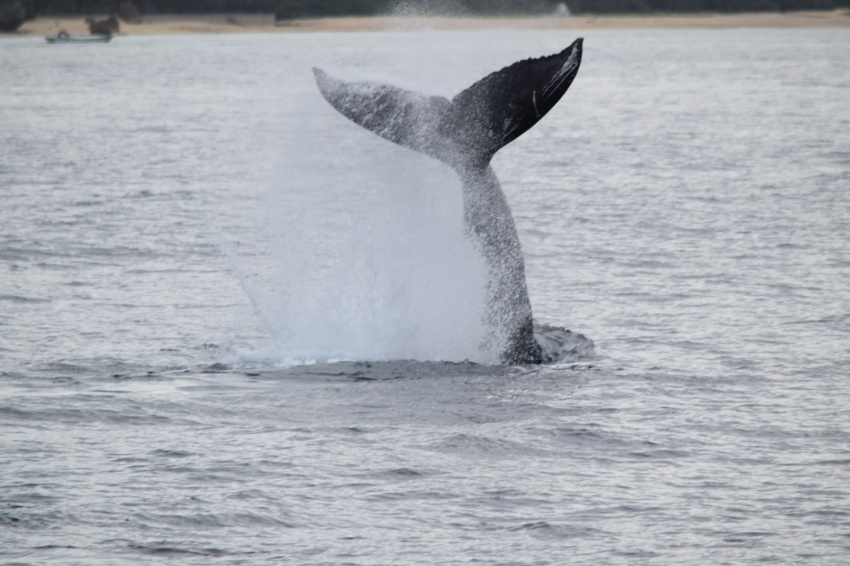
(361, 254)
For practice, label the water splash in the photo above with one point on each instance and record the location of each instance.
(360, 253)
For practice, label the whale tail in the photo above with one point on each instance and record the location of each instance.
(475, 124)
(465, 133)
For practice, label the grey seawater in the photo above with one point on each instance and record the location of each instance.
(685, 207)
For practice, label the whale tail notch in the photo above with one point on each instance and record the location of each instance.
(475, 124)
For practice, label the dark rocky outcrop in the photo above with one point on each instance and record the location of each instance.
(12, 16)
(106, 26)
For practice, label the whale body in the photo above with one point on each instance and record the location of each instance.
(465, 133)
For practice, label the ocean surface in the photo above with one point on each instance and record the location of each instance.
(237, 329)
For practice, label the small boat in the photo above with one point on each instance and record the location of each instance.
(65, 37)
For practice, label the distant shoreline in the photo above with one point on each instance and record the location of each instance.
(217, 23)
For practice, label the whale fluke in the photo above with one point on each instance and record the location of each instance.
(475, 124)
(502, 106)
(466, 133)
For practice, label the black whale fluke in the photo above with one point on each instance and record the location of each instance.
(465, 133)
(504, 105)
(471, 127)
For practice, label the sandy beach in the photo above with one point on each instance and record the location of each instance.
(232, 24)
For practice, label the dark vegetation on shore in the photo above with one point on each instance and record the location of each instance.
(14, 12)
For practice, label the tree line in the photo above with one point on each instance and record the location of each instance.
(288, 9)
